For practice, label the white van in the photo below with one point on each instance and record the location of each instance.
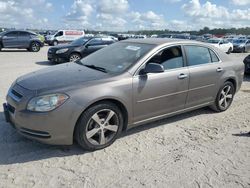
(63, 36)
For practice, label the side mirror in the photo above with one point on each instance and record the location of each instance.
(153, 68)
(87, 45)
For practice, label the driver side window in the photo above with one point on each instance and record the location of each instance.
(169, 58)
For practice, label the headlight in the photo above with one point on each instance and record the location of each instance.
(241, 46)
(46, 103)
(61, 51)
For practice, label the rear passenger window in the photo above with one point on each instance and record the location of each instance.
(107, 41)
(23, 34)
(197, 55)
(214, 57)
(95, 42)
(12, 34)
(169, 58)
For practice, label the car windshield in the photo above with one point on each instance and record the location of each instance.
(238, 41)
(213, 41)
(117, 57)
(80, 41)
(2, 33)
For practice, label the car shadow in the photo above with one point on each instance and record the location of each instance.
(242, 134)
(14, 50)
(18, 149)
(45, 63)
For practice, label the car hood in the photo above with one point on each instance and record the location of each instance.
(59, 76)
(61, 46)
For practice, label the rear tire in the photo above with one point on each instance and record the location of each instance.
(99, 126)
(224, 97)
(1, 47)
(34, 47)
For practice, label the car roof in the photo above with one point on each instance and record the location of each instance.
(21, 31)
(160, 41)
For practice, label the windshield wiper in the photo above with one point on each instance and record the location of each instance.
(96, 68)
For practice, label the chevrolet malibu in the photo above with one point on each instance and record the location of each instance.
(126, 84)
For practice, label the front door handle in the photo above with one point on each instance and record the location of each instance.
(219, 69)
(182, 76)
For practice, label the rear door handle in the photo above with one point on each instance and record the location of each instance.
(219, 69)
(182, 76)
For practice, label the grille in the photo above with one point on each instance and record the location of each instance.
(15, 95)
(11, 108)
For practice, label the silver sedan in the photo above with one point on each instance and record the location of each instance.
(124, 85)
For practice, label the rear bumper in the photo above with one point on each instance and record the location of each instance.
(238, 49)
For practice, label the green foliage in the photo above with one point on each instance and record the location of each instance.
(205, 30)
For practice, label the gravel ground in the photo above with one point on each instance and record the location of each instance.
(195, 149)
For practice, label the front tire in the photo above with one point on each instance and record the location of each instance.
(1, 47)
(55, 43)
(74, 57)
(244, 50)
(99, 126)
(34, 47)
(224, 97)
(229, 50)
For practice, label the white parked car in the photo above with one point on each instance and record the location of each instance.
(63, 36)
(222, 44)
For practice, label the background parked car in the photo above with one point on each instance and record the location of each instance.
(21, 39)
(78, 49)
(247, 64)
(241, 45)
(63, 36)
(222, 44)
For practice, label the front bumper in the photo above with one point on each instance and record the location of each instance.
(58, 58)
(247, 68)
(55, 127)
(238, 49)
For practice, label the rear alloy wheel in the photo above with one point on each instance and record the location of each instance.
(99, 126)
(35, 47)
(74, 57)
(224, 97)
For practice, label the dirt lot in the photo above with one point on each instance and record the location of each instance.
(196, 149)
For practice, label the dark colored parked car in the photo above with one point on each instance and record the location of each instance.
(20, 39)
(78, 49)
(247, 64)
(241, 45)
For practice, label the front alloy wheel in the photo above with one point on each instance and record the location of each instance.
(74, 57)
(99, 126)
(102, 127)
